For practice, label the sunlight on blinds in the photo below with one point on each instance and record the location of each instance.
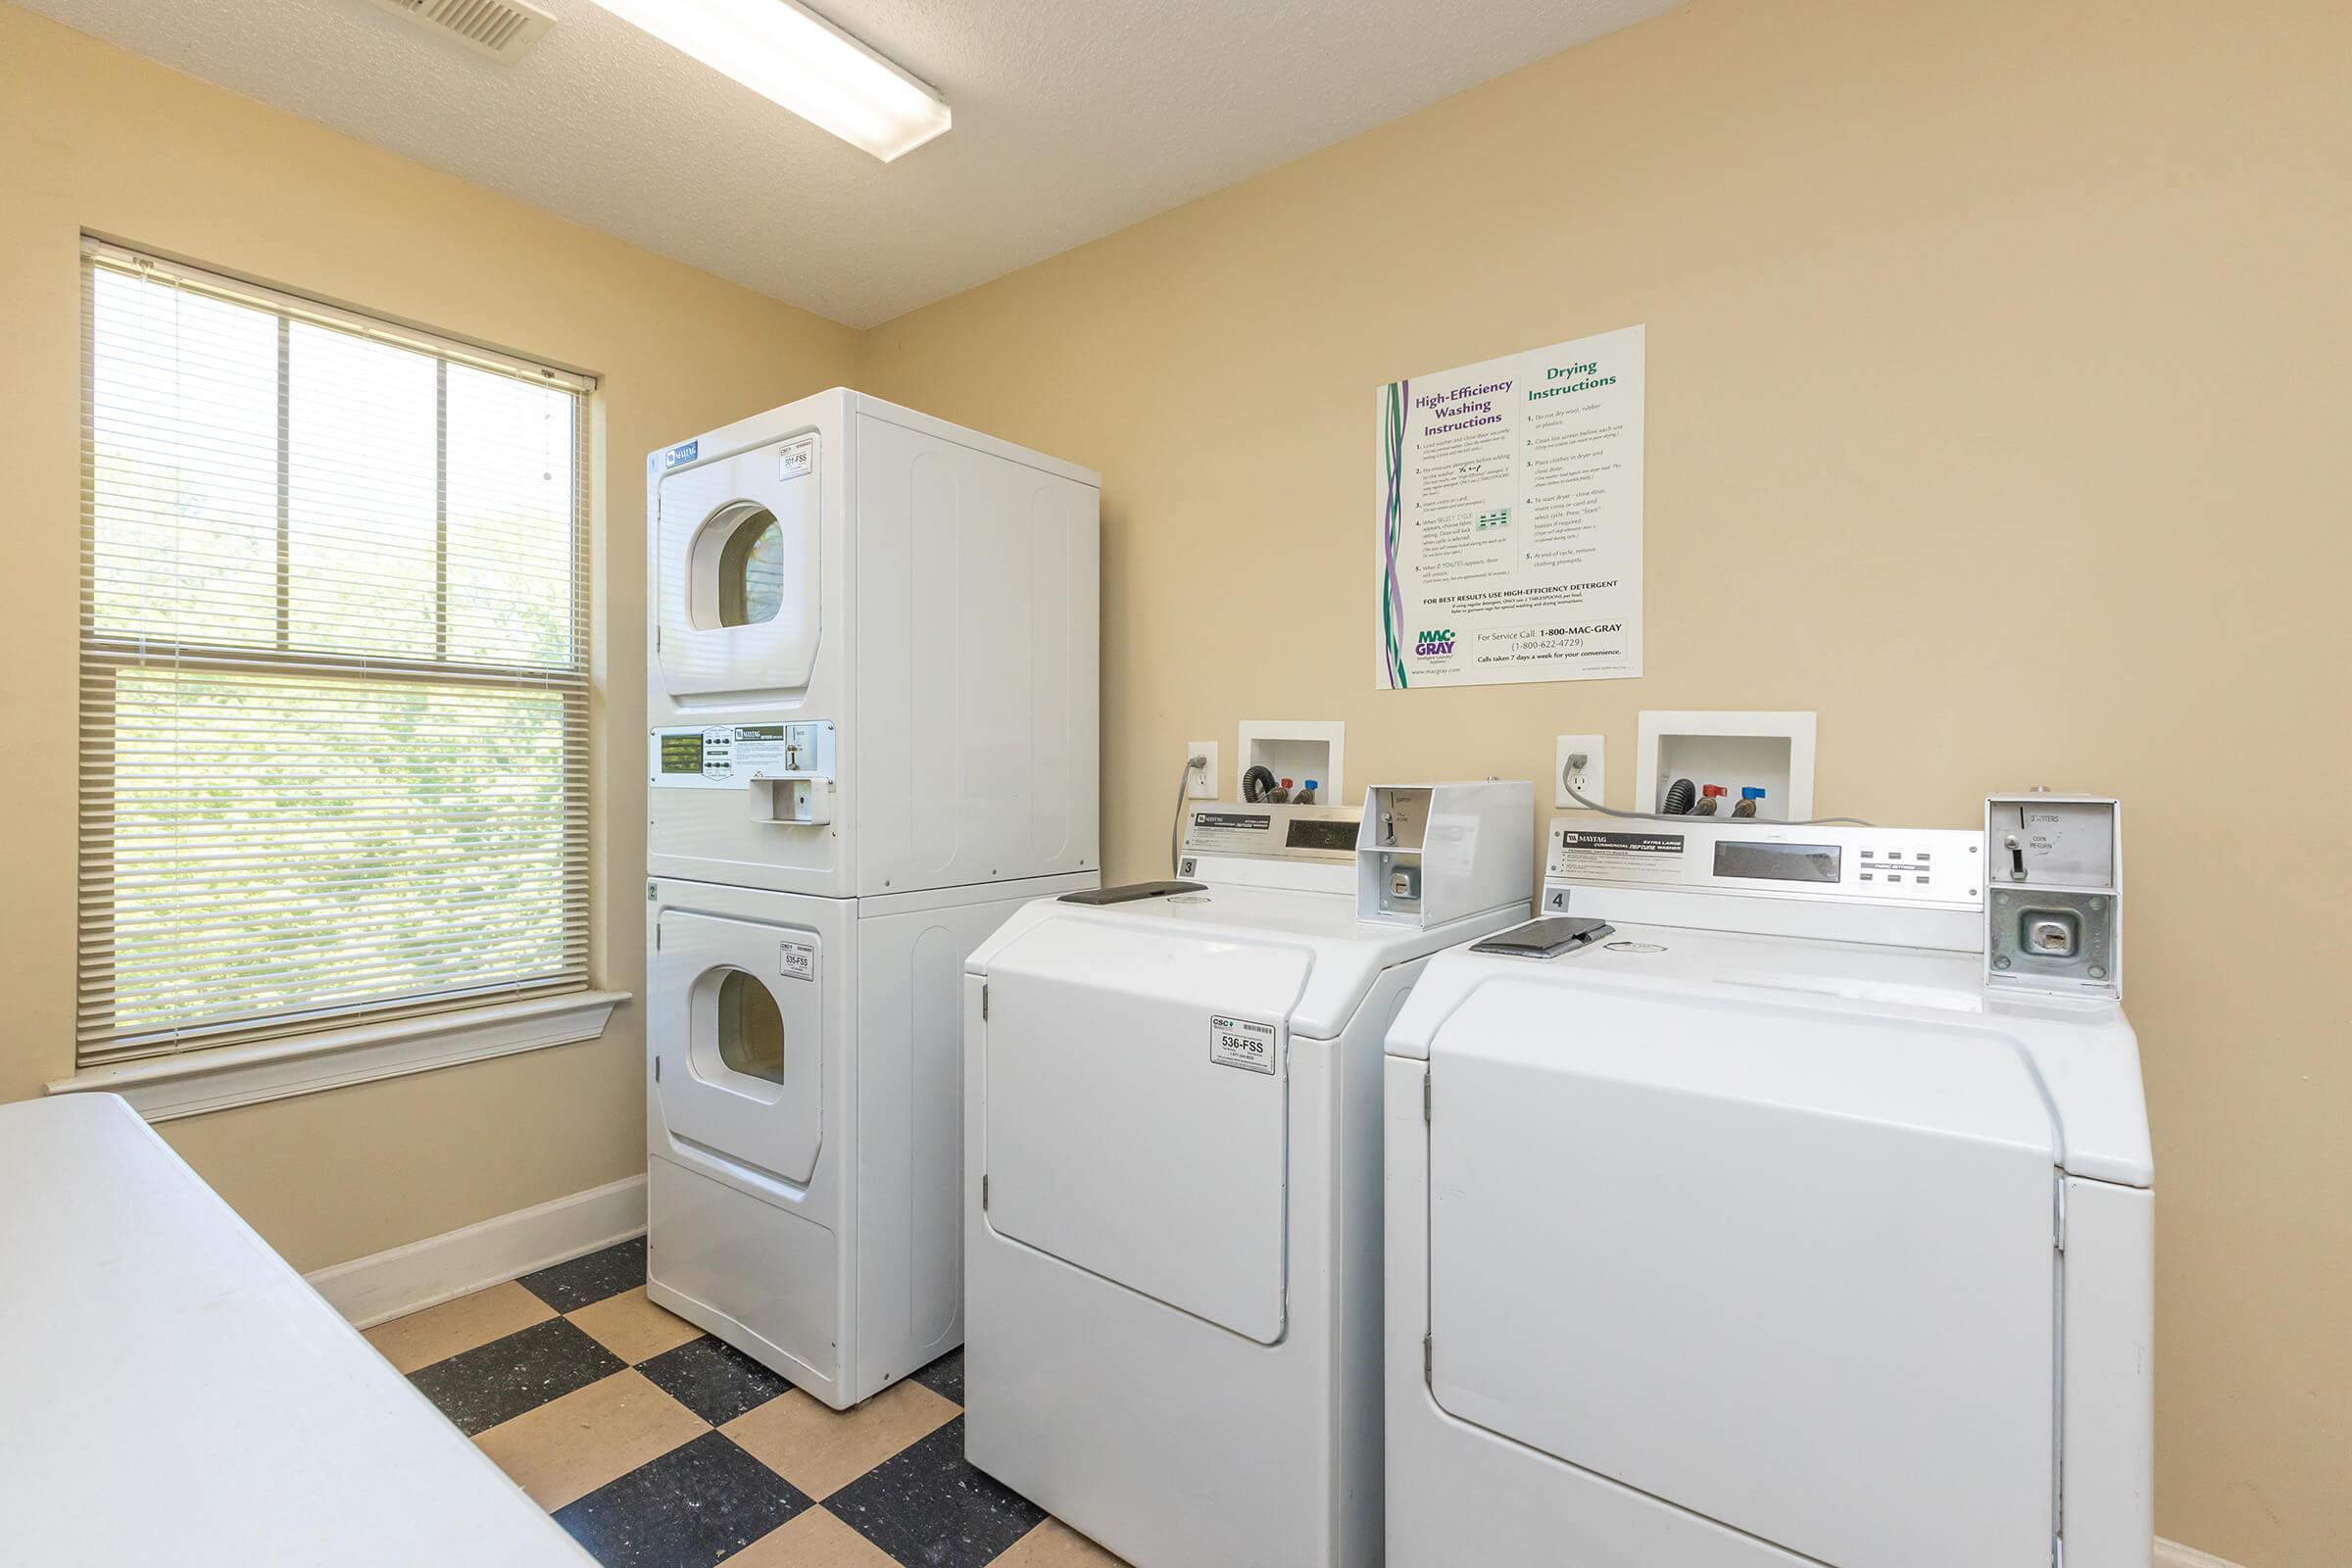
(334, 668)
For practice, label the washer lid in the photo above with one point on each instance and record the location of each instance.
(1789, 1268)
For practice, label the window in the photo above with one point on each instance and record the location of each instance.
(335, 681)
(751, 571)
(751, 1029)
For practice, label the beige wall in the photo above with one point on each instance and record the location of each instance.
(91, 137)
(1996, 411)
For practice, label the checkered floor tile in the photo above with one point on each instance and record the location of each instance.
(658, 1446)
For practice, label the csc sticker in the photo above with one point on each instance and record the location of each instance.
(1241, 1042)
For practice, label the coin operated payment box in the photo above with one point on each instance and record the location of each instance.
(2054, 894)
(1432, 853)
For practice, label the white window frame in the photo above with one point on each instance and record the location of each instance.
(431, 1032)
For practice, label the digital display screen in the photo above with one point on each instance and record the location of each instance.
(1777, 862)
(682, 753)
(1324, 833)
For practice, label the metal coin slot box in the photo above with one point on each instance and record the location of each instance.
(2054, 894)
(1433, 853)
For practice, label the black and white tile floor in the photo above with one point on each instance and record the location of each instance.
(658, 1446)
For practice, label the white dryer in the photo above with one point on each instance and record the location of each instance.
(1755, 1230)
(1172, 1152)
(874, 656)
(872, 686)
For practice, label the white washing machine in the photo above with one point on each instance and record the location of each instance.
(1759, 1231)
(873, 691)
(1172, 1151)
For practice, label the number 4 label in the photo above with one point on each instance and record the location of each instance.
(1241, 1042)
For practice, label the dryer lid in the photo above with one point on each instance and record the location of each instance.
(1789, 1269)
(1134, 1094)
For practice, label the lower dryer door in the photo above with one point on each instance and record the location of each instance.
(1135, 1110)
(1789, 1267)
(736, 1025)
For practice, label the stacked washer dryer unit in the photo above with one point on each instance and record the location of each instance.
(1172, 1136)
(1758, 1220)
(872, 694)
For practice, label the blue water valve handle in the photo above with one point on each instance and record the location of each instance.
(1751, 793)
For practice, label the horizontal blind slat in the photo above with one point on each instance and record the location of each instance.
(334, 674)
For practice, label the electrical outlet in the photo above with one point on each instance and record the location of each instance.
(1590, 780)
(1201, 783)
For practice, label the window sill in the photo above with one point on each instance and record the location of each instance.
(163, 1088)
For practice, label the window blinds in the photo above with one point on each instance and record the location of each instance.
(334, 658)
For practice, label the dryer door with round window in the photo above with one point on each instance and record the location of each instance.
(739, 564)
(737, 1023)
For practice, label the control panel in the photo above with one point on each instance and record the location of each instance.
(787, 769)
(1315, 834)
(1938, 866)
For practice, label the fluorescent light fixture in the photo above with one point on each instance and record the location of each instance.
(789, 53)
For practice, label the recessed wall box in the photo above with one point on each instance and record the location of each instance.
(1736, 750)
(2054, 894)
(1432, 853)
(1298, 749)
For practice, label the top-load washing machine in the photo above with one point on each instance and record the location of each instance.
(1172, 1146)
(872, 692)
(1743, 1224)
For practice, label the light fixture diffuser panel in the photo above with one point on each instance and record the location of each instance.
(790, 56)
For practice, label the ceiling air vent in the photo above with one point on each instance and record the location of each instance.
(504, 30)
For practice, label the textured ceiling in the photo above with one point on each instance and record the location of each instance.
(1073, 117)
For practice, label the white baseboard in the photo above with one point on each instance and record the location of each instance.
(2173, 1554)
(370, 1289)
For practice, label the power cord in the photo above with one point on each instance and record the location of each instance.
(1576, 764)
(1184, 786)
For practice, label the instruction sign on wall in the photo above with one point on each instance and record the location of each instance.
(1507, 538)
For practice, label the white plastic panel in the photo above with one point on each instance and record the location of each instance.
(761, 1276)
(701, 509)
(1115, 1137)
(1731, 1255)
(910, 1130)
(978, 686)
(1458, 1494)
(774, 1127)
(2109, 1514)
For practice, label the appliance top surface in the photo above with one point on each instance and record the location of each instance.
(1346, 955)
(834, 404)
(2083, 1053)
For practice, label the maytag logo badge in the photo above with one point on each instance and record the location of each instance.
(1430, 644)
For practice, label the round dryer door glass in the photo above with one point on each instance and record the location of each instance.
(751, 1031)
(751, 570)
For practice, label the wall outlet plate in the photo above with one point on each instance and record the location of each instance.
(1592, 781)
(1201, 784)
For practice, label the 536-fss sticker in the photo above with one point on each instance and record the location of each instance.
(1241, 1042)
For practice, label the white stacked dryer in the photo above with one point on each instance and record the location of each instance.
(872, 684)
